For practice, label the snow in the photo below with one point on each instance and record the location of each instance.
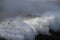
(15, 29)
(27, 29)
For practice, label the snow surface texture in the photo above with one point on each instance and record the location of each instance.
(15, 29)
(23, 28)
(23, 19)
(19, 29)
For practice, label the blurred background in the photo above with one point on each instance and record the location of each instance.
(29, 8)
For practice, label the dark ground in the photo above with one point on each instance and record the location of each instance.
(2, 38)
(54, 36)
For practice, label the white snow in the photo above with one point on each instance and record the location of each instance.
(24, 29)
(15, 29)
